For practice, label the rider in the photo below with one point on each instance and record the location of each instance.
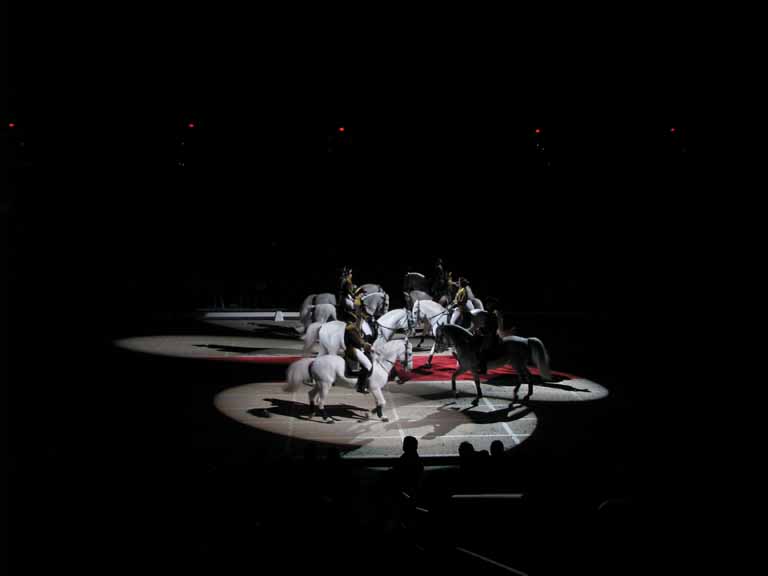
(357, 301)
(451, 286)
(358, 349)
(347, 290)
(460, 304)
(486, 338)
(438, 279)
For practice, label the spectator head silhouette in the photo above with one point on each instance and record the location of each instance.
(497, 449)
(410, 445)
(466, 450)
(333, 454)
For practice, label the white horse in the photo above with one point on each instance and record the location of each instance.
(314, 300)
(365, 291)
(514, 350)
(330, 336)
(371, 288)
(397, 320)
(376, 303)
(322, 372)
(321, 313)
(414, 295)
(431, 315)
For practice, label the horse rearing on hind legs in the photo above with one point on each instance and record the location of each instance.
(514, 350)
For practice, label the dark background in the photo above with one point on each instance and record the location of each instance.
(595, 244)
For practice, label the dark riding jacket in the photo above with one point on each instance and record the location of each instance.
(353, 338)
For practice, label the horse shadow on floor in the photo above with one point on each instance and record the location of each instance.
(301, 411)
(509, 380)
(443, 421)
(233, 349)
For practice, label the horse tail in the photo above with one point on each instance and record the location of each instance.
(308, 301)
(306, 313)
(297, 374)
(540, 358)
(386, 303)
(311, 336)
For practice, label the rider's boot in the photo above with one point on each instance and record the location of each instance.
(362, 384)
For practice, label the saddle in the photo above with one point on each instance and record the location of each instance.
(485, 355)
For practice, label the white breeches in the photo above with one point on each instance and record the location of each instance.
(362, 358)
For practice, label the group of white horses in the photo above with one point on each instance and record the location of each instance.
(473, 353)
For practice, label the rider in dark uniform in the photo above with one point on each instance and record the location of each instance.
(451, 287)
(358, 349)
(347, 290)
(362, 312)
(486, 339)
(438, 280)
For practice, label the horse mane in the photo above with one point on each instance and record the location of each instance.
(389, 348)
(457, 333)
(390, 313)
(433, 303)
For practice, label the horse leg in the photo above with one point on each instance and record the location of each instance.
(522, 374)
(380, 401)
(423, 335)
(518, 381)
(529, 380)
(431, 354)
(312, 395)
(477, 386)
(459, 370)
(321, 403)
